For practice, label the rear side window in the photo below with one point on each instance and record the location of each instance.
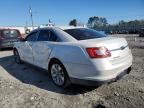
(53, 37)
(84, 33)
(47, 35)
(10, 33)
(32, 36)
(44, 35)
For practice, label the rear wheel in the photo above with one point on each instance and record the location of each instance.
(17, 57)
(59, 74)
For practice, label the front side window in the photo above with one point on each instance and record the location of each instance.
(84, 33)
(32, 36)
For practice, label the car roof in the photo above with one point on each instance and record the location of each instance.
(64, 36)
(60, 27)
(70, 27)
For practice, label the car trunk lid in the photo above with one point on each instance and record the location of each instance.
(117, 46)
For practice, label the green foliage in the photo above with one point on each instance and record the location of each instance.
(97, 22)
(129, 26)
(101, 24)
(73, 22)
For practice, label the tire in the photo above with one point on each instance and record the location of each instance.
(141, 35)
(17, 57)
(59, 74)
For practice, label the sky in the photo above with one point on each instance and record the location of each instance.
(16, 12)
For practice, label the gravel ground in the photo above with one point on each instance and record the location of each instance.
(24, 86)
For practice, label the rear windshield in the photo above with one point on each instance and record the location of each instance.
(10, 33)
(84, 33)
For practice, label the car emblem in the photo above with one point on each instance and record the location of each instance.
(122, 48)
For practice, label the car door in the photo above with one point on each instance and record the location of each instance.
(27, 51)
(42, 49)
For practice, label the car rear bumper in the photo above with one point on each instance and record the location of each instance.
(96, 73)
(6, 45)
(99, 82)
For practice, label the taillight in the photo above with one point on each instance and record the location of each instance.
(98, 52)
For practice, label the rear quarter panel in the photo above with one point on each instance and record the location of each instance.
(69, 53)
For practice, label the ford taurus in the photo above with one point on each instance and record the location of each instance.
(75, 55)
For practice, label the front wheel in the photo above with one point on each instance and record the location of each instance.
(17, 57)
(59, 74)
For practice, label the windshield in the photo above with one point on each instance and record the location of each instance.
(84, 33)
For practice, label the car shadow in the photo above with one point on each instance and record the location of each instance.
(31, 75)
(5, 49)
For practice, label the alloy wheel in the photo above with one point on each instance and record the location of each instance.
(57, 74)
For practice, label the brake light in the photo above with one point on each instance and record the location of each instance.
(98, 52)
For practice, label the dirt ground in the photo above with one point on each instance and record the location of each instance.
(24, 86)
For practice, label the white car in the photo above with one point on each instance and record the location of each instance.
(75, 55)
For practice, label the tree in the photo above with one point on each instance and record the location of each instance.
(73, 22)
(97, 22)
(126, 27)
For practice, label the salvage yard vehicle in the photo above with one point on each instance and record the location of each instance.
(141, 32)
(8, 37)
(75, 55)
